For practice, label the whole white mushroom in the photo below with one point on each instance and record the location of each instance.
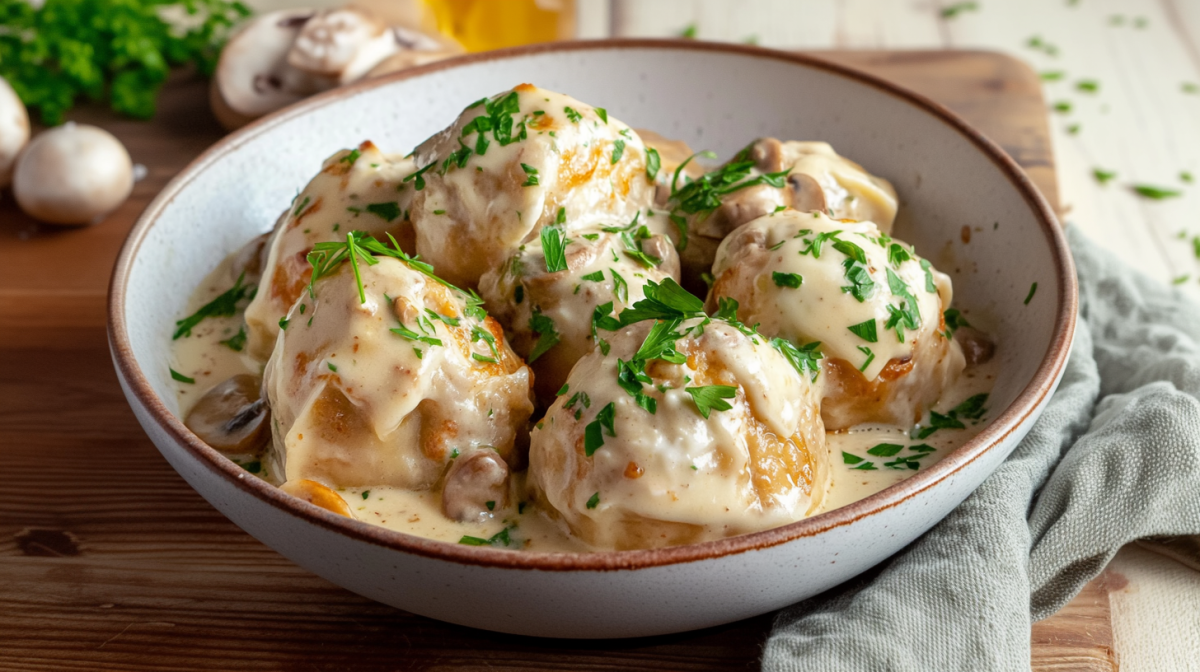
(14, 130)
(73, 174)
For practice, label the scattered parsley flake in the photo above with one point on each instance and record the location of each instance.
(175, 375)
(1032, 291)
(548, 336)
(618, 150)
(531, 175)
(1156, 193)
(951, 11)
(593, 433)
(865, 330)
(792, 280)
(653, 163)
(1103, 176)
(593, 501)
(224, 305)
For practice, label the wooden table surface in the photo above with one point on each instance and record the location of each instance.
(108, 560)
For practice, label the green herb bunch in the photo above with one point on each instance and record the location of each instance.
(115, 50)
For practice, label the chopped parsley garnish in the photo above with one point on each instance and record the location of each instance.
(908, 315)
(414, 336)
(497, 118)
(954, 319)
(653, 163)
(870, 357)
(1032, 291)
(482, 358)
(332, 366)
(366, 494)
(633, 247)
(665, 300)
(603, 114)
(885, 449)
(175, 375)
(572, 114)
(598, 276)
(554, 245)
(531, 175)
(563, 390)
(618, 150)
(704, 193)
(804, 359)
(389, 210)
(930, 285)
(1052, 75)
(602, 319)
(861, 285)
(1180, 279)
(480, 334)
(792, 280)
(712, 397)
(225, 305)
(500, 538)
(237, 342)
(689, 32)
(1103, 176)
(548, 336)
(351, 157)
(300, 208)
(897, 254)
(283, 323)
(850, 458)
(593, 501)
(418, 177)
(561, 217)
(593, 433)
(1088, 85)
(620, 286)
(814, 246)
(865, 331)
(971, 409)
(439, 212)
(951, 11)
(1156, 193)
(1185, 176)
(1062, 106)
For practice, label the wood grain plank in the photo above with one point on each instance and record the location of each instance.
(109, 560)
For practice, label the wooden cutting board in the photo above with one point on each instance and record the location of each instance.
(108, 560)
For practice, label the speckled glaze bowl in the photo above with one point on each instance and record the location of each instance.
(714, 97)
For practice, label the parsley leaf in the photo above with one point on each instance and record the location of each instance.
(237, 342)
(389, 210)
(865, 331)
(225, 305)
(792, 280)
(711, 397)
(175, 375)
(804, 359)
(554, 245)
(548, 336)
(665, 300)
(593, 433)
(653, 163)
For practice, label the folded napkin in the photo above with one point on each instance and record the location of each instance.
(1114, 458)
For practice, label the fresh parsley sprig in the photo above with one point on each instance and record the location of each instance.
(121, 52)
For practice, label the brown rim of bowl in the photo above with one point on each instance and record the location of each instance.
(1004, 425)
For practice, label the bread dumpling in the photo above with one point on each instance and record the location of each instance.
(765, 177)
(388, 386)
(642, 452)
(874, 306)
(516, 162)
(356, 190)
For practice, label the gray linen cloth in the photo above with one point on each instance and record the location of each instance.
(1115, 457)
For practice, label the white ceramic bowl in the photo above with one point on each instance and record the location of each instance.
(714, 97)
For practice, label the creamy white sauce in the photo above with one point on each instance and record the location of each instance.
(419, 512)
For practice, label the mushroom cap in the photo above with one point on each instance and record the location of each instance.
(253, 77)
(14, 130)
(342, 44)
(73, 174)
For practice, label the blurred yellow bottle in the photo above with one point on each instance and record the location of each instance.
(480, 25)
